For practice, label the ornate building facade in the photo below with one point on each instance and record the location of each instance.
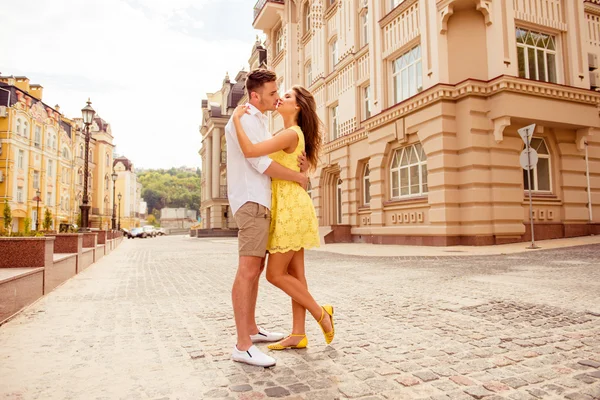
(129, 188)
(43, 151)
(422, 101)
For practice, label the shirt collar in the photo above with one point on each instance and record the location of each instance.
(255, 111)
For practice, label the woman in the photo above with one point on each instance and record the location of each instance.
(294, 224)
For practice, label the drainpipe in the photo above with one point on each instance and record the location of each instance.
(8, 129)
(587, 174)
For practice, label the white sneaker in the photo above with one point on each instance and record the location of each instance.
(253, 356)
(264, 336)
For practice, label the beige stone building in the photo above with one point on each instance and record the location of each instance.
(422, 101)
(129, 188)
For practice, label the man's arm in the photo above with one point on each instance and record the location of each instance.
(261, 164)
(278, 171)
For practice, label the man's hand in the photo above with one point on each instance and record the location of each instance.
(302, 180)
(303, 162)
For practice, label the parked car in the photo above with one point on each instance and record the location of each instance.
(149, 230)
(161, 231)
(126, 233)
(137, 232)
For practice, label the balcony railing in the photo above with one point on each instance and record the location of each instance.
(223, 191)
(261, 4)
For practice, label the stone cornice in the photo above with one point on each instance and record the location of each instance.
(484, 89)
(592, 7)
(345, 141)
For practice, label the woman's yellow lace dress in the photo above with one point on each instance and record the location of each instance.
(293, 219)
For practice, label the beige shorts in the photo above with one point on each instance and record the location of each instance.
(253, 221)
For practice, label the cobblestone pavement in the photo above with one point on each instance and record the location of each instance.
(153, 321)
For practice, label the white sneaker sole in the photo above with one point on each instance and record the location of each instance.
(253, 362)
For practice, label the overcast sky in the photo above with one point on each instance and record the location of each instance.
(145, 64)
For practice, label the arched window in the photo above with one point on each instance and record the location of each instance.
(366, 186)
(107, 160)
(81, 151)
(65, 153)
(106, 182)
(541, 175)
(54, 142)
(80, 177)
(38, 136)
(409, 172)
(18, 129)
(26, 129)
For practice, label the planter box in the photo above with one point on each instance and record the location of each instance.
(19, 287)
(26, 252)
(63, 269)
(69, 243)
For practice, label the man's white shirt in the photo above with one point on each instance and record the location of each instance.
(245, 179)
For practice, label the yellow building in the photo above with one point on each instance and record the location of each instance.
(41, 150)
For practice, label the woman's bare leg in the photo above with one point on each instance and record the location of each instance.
(296, 269)
(277, 274)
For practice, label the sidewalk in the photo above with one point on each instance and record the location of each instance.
(382, 250)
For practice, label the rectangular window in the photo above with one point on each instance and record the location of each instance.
(409, 172)
(367, 101)
(279, 40)
(334, 53)
(49, 170)
(407, 75)
(49, 199)
(364, 21)
(20, 159)
(541, 175)
(536, 53)
(334, 123)
(36, 179)
(366, 186)
(20, 195)
(38, 136)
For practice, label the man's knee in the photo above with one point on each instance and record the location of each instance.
(250, 268)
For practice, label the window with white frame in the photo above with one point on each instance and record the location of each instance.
(364, 25)
(334, 53)
(338, 197)
(26, 129)
(366, 97)
(19, 195)
(36, 179)
(81, 153)
(65, 153)
(536, 53)
(366, 185)
(307, 17)
(408, 172)
(106, 181)
(308, 74)
(80, 177)
(49, 169)
(18, 127)
(407, 74)
(54, 142)
(49, 140)
(279, 41)
(395, 3)
(49, 199)
(107, 160)
(335, 129)
(20, 159)
(38, 136)
(541, 175)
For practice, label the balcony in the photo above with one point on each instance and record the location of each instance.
(266, 13)
(223, 158)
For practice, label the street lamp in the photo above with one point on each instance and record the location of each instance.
(88, 116)
(37, 217)
(114, 217)
(119, 225)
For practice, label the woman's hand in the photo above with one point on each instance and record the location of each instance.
(240, 111)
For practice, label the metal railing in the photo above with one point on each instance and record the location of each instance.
(261, 4)
(223, 191)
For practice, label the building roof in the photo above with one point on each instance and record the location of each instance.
(13, 96)
(238, 90)
(125, 161)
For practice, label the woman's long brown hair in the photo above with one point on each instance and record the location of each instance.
(311, 125)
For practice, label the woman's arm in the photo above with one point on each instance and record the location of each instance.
(284, 140)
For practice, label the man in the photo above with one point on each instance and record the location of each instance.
(249, 193)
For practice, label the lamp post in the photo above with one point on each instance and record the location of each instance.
(88, 116)
(37, 216)
(114, 217)
(119, 225)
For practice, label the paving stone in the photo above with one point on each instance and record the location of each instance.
(462, 380)
(478, 392)
(241, 388)
(594, 374)
(355, 390)
(407, 380)
(585, 378)
(299, 388)
(578, 396)
(590, 363)
(426, 376)
(496, 386)
(277, 391)
(515, 383)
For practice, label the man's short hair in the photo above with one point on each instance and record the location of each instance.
(257, 78)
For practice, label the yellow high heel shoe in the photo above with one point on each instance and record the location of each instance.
(328, 335)
(301, 345)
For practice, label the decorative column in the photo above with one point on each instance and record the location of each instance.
(209, 156)
(215, 171)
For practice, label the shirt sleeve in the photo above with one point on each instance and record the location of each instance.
(251, 127)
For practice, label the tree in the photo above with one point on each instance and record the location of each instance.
(47, 220)
(151, 220)
(27, 225)
(7, 217)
